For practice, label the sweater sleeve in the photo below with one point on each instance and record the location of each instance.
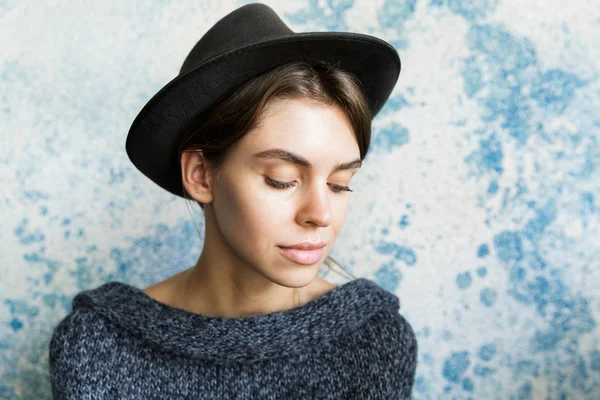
(392, 367)
(73, 356)
(403, 365)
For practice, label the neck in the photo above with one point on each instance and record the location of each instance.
(211, 291)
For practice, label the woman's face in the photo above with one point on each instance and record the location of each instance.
(254, 218)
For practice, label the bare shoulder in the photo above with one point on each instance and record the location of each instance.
(156, 291)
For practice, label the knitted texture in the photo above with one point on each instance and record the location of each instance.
(119, 343)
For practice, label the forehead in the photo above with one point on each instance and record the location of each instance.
(305, 127)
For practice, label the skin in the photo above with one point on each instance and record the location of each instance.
(240, 271)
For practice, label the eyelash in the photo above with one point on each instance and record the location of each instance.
(285, 185)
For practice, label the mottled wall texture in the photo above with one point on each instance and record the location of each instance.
(478, 204)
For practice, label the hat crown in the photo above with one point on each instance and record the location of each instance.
(248, 24)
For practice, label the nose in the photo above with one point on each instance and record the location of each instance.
(315, 207)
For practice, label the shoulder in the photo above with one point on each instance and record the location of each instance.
(392, 336)
(82, 327)
(387, 346)
(79, 344)
(78, 324)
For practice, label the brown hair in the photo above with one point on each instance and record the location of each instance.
(216, 131)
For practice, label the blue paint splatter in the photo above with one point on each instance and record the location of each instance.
(426, 332)
(581, 375)
(517, 274)
(488, 158)
(472, 77)
(28, 237)
(474, 9)
(488, 296)
(7, 392)
(543, 217)
(392, 15)
(35, 195)
(456, 365)
(526, 390)
(447, 335)
(536, 262)
(508, 246)
(595, 360)
(505, 100)
(388, 277)
(493, 187)
(483, 371)
(403, 223)
(487, 352)
(554, 89)
(572, 317)
(421, 385)
(156, 252)
(483, 250)
(331, 18)
(402, 253)
(588, 204)
(386, 248)
(52, 265)
(428, 359)
(116, 177)
(20, 229)
(464, 280)
(21, 308)
(468, 384)
(394, 103)
(540, 291)
(527, 368)
(389, 138)
(16, 324)
(407, 255)
(503, 75)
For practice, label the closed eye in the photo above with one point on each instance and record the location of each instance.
(285, 185)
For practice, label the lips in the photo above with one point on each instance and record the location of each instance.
(304, 257)
(306, 246)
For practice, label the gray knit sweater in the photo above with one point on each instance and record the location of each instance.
(119, 343)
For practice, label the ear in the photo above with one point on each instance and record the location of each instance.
(195, 176)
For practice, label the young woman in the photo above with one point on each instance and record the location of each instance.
(264, 128)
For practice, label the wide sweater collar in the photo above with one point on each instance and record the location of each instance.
(249, 338)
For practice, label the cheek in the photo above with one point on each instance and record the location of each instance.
(268, 216)
(339, 220)
(250, 216)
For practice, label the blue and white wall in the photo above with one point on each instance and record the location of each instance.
(478, 204)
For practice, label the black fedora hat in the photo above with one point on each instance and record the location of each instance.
(245, 43)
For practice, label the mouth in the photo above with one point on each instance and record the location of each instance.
(307, 246)
(300, 256)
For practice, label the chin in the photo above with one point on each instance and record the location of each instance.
(296, 279)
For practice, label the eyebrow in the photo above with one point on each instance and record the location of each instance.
(285, 155)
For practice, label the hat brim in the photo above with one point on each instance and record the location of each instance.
(154, 136)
